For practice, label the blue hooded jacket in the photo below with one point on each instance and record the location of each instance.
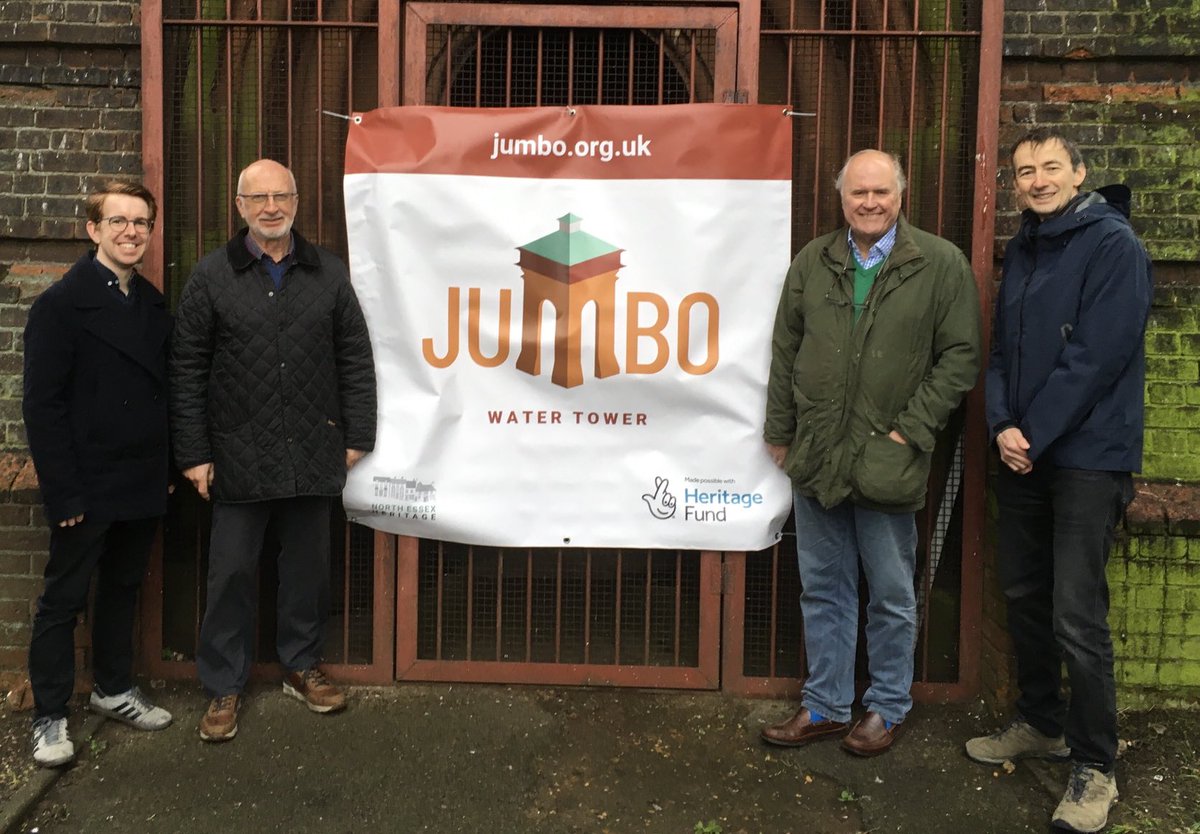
(1067, 363)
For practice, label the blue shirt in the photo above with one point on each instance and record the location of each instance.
(877, 254)
(276, 269)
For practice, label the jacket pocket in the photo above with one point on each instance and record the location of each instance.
(803, 456)
(890, 473)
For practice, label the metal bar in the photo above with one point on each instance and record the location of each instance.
(838, 34)
(662, 51)
(630, 69)
(558, 608)
(528, 605)
(508, 69)
(499, 602)
(346, 579)
(749, 22)
(259, 97)
(850, 95)
(406, 601)
(617, 612)
(945, 126)
(646, 616)
(541, 50)
(818, 144)
(199, 144)
(774, 618)
(692, 70)
(153, 144)
(291, 116)
(678, 601)
(389, 58)
(912, 115)
(449, 73)
(470, 600)
(571, 66)
(587, 607)
(267, 24)
(441, 589)
(879, 101)
(320, 128)
(478, 70)
(600, 67)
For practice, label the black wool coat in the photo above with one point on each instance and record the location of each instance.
(271, 386)
(95, 400)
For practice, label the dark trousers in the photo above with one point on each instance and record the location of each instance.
(1055, 533)
(227, 634)
(118, 551)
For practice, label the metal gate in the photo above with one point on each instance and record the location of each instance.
(227, 81)
(634, 617)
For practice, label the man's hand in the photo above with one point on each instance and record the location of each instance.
(777, 453)
(1014, 450)
(353, 456)
(898, 437)
(71, 522)
(201, 477)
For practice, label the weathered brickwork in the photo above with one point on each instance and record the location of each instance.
(1121, 77)
(1154, 576)
(70, 115)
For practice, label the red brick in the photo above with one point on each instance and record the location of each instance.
(1072, 92)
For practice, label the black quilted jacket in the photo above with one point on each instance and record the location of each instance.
(271, 386)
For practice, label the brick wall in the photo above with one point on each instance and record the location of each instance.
(70, 114)
(1121, 77)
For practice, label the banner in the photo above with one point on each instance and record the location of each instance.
(571, 313)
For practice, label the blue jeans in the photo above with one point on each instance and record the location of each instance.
(1056, 529)
(829, 545)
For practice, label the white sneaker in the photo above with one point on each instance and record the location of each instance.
(51, 744)
(130, 708)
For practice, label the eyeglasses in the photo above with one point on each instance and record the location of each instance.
(281, 198)
(119, 223)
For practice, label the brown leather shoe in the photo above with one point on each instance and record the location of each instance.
(800, 729)
(220, 719)
(870, 736)
(312, 687)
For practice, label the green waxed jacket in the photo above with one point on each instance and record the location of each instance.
(837, 388)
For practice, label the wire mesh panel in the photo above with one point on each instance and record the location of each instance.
(478, 66)
(242, 90)
(900, 76)
(349, 631)
(770, 656)
(557, 614)
(244, 80)
(601, 607)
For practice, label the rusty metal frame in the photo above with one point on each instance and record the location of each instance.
(734, 680)
(419, 16)
(704, 675)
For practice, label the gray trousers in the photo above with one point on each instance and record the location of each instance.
(226, 647)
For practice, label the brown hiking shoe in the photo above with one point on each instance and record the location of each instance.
(220, 719)
(314, 689)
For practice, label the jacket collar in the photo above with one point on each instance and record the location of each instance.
(142, 341)
(240, 259)
(838, 254)
(89, 287)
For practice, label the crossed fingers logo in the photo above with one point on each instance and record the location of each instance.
(661, 502)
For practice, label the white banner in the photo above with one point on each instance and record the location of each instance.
(571, 313)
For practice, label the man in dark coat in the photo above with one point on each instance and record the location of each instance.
(95, 409)
(272, 402)
(1064, 407)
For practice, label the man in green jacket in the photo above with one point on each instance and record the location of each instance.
(876, 341)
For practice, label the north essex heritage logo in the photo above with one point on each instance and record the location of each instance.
(403, 498)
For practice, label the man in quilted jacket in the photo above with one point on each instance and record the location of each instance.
(272, 402)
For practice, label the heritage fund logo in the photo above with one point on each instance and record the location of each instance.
(704, 504)
(576, 273)
(403, 498)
